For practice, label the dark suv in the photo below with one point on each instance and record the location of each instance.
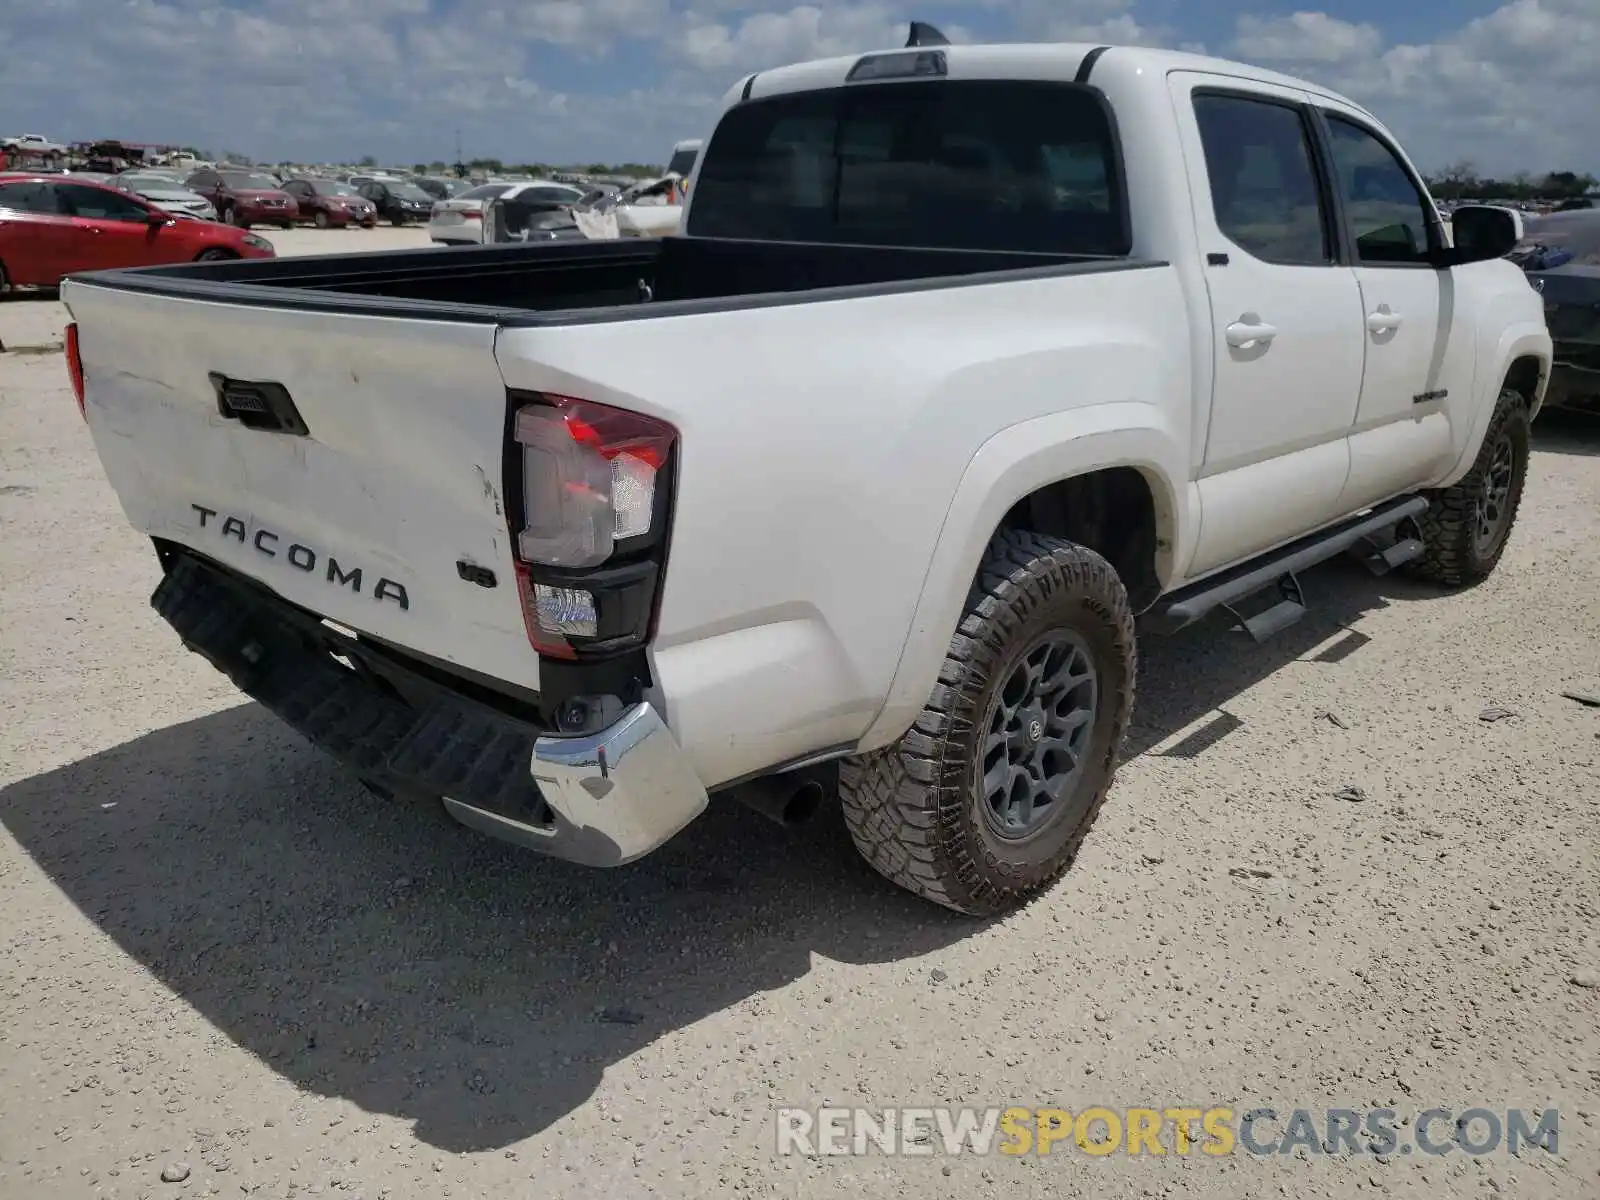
(397, 201)
(245, 198)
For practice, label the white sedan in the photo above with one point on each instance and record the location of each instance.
(459, 222)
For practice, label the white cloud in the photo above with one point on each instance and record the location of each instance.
(585, 79)
(1304, 37)
(758, 40)
(1516, 89)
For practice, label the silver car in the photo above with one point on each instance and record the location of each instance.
(459, 221)
(165, 192)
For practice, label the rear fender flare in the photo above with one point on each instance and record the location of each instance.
(1014, 463)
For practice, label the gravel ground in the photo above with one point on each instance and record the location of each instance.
(223, 961)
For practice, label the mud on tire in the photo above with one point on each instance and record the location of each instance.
(986, 799)
(1467, 525)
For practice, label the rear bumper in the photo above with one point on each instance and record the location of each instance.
(460, 232)
(600, 800)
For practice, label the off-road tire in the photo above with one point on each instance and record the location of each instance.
(1455, 555)
(913, 808)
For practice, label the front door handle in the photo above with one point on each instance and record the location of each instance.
(1248, 331)
(1385, 320)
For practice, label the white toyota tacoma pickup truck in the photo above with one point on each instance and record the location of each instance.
(967, 356)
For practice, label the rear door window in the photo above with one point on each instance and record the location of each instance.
(958, 164)
(1265, 191)
(31, 197)
(101, 204)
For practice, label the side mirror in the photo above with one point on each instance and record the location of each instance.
(156, 218)
(1481, 232)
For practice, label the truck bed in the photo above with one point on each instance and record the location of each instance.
(585, 282)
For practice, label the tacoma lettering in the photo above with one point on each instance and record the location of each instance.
(303, 557)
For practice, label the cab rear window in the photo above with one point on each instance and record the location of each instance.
(960, 164)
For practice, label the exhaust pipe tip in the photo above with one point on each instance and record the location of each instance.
(803, 803)
(788, 800)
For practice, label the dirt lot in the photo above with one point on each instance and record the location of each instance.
(220, 953)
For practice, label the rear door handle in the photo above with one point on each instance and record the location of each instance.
(1249, 330)
(1385, 320)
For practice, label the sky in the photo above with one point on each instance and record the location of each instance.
(1507, 84)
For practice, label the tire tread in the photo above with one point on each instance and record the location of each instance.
(903, 804)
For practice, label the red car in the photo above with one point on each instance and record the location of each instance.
(327, 203)
(245, 198)
(53, 225)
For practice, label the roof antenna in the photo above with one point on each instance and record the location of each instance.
(923, 34)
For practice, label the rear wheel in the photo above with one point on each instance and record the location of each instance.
(234, 217)
(986, 799)
(1467, 525)
(320, 219)
(5, 280)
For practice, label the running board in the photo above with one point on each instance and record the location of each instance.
(1290, 607)
(1197, 601)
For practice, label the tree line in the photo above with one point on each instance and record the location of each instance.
(1461, 181)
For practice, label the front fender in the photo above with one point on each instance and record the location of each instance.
(1523, 339)
(1012, 464)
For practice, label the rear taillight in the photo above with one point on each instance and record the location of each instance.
(471, 214)
(75, 367)
(593, 482)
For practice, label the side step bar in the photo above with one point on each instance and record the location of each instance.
(1197, 601)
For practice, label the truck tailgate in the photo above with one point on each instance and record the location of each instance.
(365, 517)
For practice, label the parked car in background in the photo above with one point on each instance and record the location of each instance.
(245, 198)
(163, 191)
(92, 176)
(524, 216)
(651, 208)
(329, 204)
(460, 221)
(33, 143)
(397, 201)
(1561, 253)
(439, 187)
(54, 225)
